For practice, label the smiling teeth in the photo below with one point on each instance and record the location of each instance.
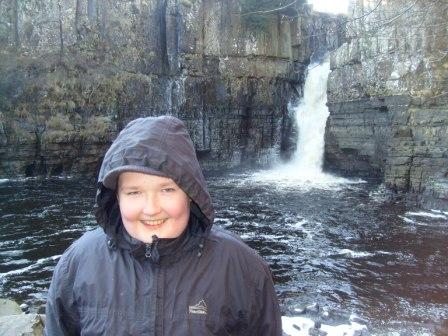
(153, 222)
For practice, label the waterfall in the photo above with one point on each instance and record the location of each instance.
(311, 116)
(311, 113)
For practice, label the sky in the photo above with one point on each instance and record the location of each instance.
(331, 6)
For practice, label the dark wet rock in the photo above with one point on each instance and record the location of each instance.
(358, 319)
(24, 307)
(313, 308)
(317, 332)
(300, 311)
(363, 332)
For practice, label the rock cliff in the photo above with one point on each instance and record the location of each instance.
(388, 98)
(73, 73)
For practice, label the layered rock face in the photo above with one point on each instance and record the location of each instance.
(388, 98)
(73, 73)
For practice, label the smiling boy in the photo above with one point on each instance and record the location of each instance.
(157, 265)
(152, 205)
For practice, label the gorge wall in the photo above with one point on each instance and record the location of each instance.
(388, 98)
(73, 73)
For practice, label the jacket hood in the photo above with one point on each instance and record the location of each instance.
(159, 146)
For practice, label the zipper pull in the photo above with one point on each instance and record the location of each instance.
(148, 251)
(151, 249)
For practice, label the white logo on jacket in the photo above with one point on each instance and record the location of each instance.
(199, 308)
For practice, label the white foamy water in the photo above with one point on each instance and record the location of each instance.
(354, 254)
(311, 115)
(300, 224)
(305, 168)
(31, 178)
(407, 220)
(425, 218)
(287, 175)
(301, 326)
(432, 214)
(19, 179)
(31, 267)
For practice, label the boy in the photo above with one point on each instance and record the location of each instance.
(157, 267)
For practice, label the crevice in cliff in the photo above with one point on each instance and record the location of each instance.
(246, 124)
(38, 167)
(163, 43)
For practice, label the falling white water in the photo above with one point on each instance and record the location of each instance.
(311, 113)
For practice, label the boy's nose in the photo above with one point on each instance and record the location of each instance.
(152, 206)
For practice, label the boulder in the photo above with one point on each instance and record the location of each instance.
(21, 325)
(13, 322)
(9, 307)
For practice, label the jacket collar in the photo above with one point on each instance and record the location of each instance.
(161, 250)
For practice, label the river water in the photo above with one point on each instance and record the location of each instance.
(343, 257)
(344, 252)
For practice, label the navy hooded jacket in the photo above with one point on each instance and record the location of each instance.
(205, 282)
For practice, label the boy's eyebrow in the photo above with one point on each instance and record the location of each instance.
(161, 185)
(168, 183)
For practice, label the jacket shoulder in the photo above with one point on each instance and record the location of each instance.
(77, 255)
(91, 237)
(227, 239)
(232, 250)
(87, 244)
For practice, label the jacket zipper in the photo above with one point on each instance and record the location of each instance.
(148, 250)
(149, 247)
(151, 251)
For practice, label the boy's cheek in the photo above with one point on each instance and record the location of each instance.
(128, 209)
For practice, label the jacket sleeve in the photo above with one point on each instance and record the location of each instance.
(62, 317)
(266, 318)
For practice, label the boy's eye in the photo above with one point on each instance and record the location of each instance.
(168, 190)
(132, 193)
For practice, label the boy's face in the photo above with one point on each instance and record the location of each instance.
(152, 205)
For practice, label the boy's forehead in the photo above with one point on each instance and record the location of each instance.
(136, 178)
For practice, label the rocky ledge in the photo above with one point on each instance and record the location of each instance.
(388, 99)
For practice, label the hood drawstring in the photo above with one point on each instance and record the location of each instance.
(201, 247)
(152, 251)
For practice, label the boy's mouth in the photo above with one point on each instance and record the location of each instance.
(153, 222)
